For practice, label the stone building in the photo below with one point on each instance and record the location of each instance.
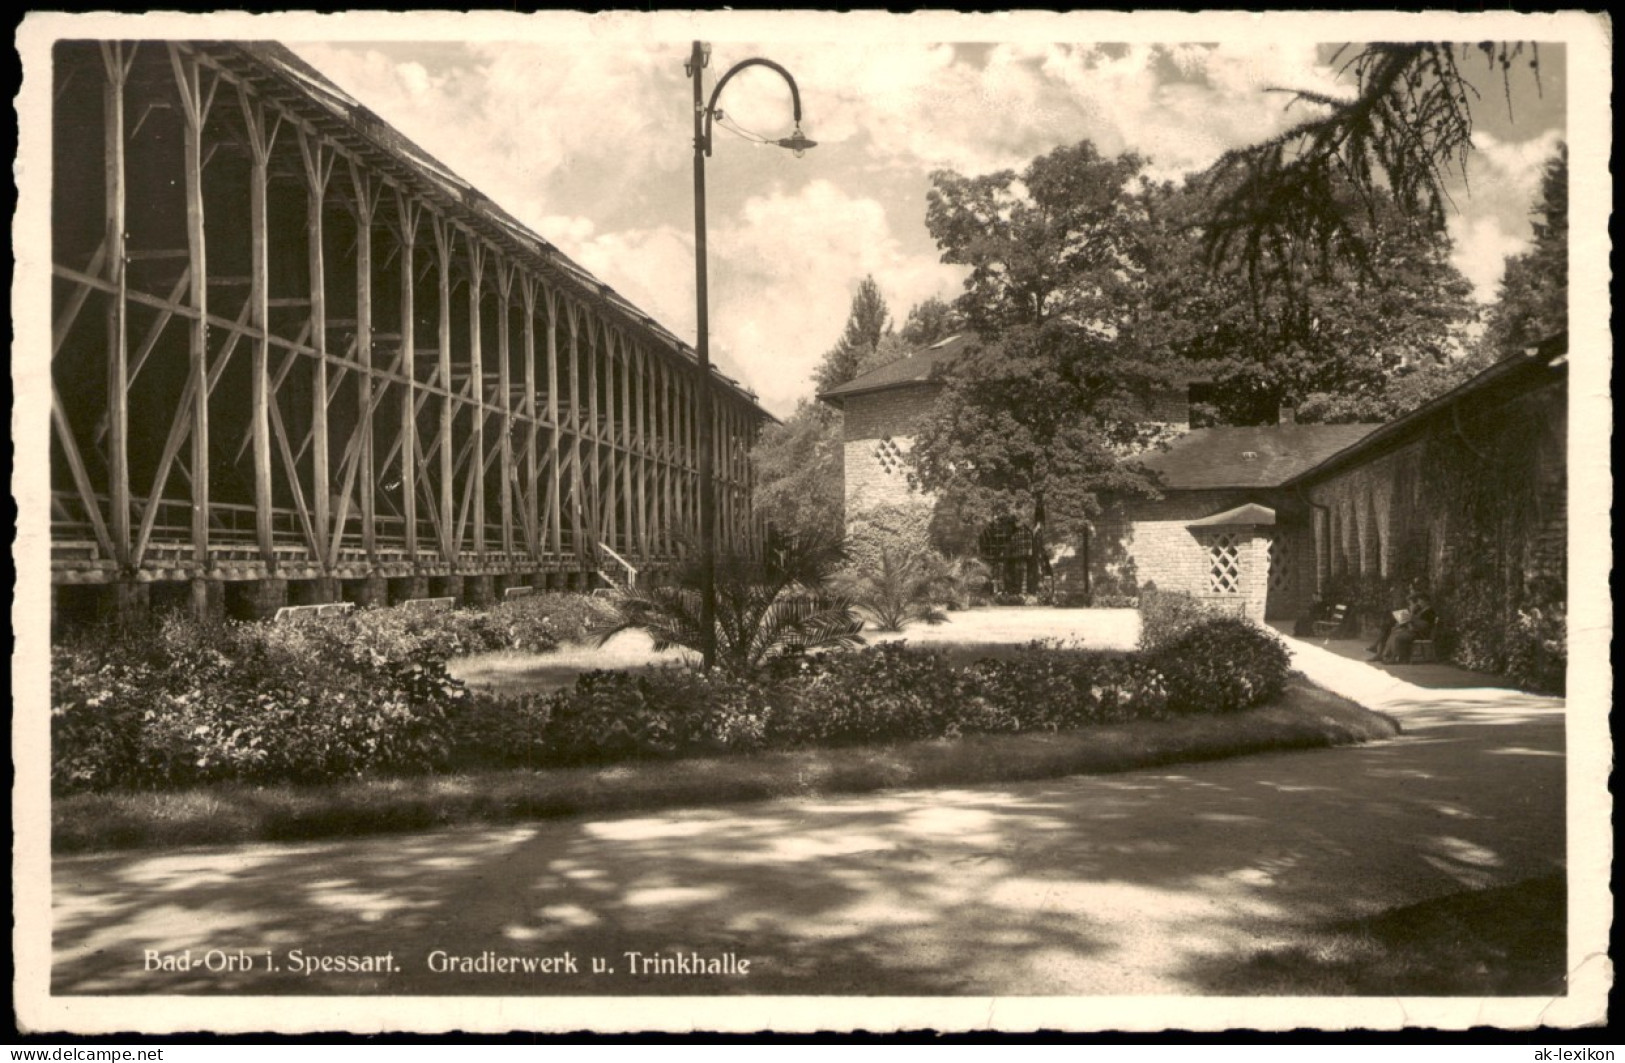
(882, 409)
(1466, 495)
(1226, 530)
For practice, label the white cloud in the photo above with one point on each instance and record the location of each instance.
(1492, 219)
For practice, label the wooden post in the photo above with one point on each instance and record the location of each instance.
(476, 387)
(195, 110)
(117, 64)
(640, 403)
(595, 486)
(318, 169)
(532, 474)
(366, 207)
(259, 318)
(554, 500)
(628, 465)
(505, 406)
(448, 512)
(668, 437)
(572, 318)
(408, 213)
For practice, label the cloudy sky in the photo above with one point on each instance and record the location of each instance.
(582, 130)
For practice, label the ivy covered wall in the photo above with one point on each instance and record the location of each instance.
(1473, 504)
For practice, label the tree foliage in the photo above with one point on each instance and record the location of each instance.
(798, 474)
(930, 322)
(1333, 332)
(1407, 129)
(763, 610)
(1533, 301)
(1054, 242)
(868, 321)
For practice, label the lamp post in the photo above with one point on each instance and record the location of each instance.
(704, 113)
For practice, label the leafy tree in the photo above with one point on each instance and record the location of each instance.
(930, 322)
(868, 321)
(799, 486)
(1533, 302)
(1331, 330)
(1037, 416)
(1052, 243)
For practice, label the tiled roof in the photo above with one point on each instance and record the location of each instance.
(917, 368)
(1265, 456)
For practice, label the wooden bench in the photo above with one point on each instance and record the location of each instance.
(429, 605)
(293, 614)
(1325, 629)
(517, 592)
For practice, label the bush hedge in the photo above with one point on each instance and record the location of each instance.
(369, 695)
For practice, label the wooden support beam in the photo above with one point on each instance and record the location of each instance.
(611, 431)
(642, 406)
(572, 320)
(532, 474)
(81, 477)
(87, 282)
(505, 424)
(259, 319)
(367, 194)
(195, 109)
(408, 211)
(117, 65)
(442, 243)
(476, 362)
(595, 483)
(629, 469)
(554, 497)
(183, 422)
(318, 160)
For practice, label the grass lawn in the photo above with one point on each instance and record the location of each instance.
(1305, 717)
(995, 631)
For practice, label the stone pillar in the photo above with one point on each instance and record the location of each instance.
(208, 601)
(447, 587)
(366, 592)
(256, 599)
(125, 603)
(319, 591)
(408, 587)
(478, 591)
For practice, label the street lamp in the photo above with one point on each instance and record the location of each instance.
(704, 113)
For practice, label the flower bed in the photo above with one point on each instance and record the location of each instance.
(369, 695)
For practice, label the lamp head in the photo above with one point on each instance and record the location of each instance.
(797, 142)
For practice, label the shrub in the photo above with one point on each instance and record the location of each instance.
(186, 703)
(1221, 665)
(1047, 688)
(497, 731)
(656, 713)
(1167, 615)
(882, 692)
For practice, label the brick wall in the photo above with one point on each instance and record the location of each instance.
(1376, 519)
(878, 434)
(1142, 543)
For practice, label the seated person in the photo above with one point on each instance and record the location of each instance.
(1400, 603)
(1419, 624)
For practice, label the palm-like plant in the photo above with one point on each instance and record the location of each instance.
(901, 586)
(763, 610)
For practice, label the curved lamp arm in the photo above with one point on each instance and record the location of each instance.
(797, 141)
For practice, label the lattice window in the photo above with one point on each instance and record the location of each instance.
(889, 455)
(1224, 563)
(1280, 562)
